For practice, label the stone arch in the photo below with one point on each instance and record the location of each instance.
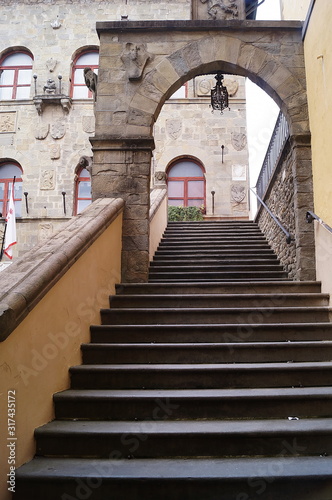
(270, 54)
(226, 54)
(273, 59)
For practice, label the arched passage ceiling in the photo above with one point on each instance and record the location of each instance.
(143, 62)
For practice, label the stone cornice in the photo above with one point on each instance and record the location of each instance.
(196, 25)
(115, 143)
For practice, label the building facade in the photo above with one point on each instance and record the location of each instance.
(47, 118)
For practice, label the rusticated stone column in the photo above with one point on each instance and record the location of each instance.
(121, 169)
(303, 201)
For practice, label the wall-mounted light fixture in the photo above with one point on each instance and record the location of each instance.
(64, 201)
(219, 94)
(213, 193)
(26, 201)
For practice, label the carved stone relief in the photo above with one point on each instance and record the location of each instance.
(174, 128)
(51, 64)
(50, 87)
(238, 193)
(160, 177)
(7, 122)
(58, 129)
(222, 9)
(56, 24)
(135, 57)
(232, 86)
(42, 132)
(85, 162)
(45, 231)
(55, 151)
(47, 180)
(88, 124)
(239, 140)
(204, 84)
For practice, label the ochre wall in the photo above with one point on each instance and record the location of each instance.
(317, 47)
(158, 224)
(35, 358)
(324, 257)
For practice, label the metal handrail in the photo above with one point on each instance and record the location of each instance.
(310, 216)
(277, 143)
(289, 237)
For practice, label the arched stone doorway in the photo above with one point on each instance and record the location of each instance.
(143, 63)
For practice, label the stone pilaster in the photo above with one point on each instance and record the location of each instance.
(121, 169)
(303, 201)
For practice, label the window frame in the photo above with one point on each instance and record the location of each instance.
(7, 183)
(16, 70)
(78, 180)
(186, 180)
(75, 67)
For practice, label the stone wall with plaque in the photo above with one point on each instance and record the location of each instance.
(48, 145)
(187, 128)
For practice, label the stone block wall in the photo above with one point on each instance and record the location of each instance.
(289, 196)
(280, 200)
(48, 146)
(187, 127)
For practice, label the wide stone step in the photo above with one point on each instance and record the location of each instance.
(213, 242)
(209, 223)
(172, 439)
(282, 287)
(223, 253)
(209, 267)
(212, 247)
(241, 315)
(214, 275)
(220, 300)
(217, 333)
(201, 376)
(212, 280)
(217, 233)
(212, 261)
(213, 258)
(193, 404)
(207, 352)
(177, 479)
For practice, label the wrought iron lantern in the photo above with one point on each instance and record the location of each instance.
(219, 94)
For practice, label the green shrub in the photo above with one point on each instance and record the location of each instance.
(184, 213)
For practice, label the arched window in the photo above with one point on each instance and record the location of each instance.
(7, 172)
(15, 79)
(186, 184)
(78, 88)
(82, 191)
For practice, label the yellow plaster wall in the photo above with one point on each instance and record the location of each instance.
(295, 10)
(324, 257)
(157, 227)
(35, 358)
(318, 58)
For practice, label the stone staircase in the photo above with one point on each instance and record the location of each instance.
(210, 382)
